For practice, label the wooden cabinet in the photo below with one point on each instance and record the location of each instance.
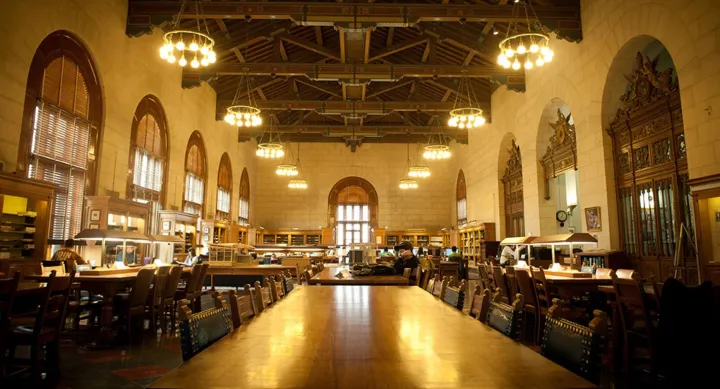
(610, 259)
(179, 224)
(419, 238)
(477, 241)
(25, 219)
(214, 231)
(239, 234)
(291, 238)
(113, 213)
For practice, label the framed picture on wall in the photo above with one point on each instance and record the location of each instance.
(592, 219)
(94, 215)
(166, 225)
(94, 226)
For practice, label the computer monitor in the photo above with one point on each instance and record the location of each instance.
(448, 252)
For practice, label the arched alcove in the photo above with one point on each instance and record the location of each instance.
(642, 113)
(557, 155)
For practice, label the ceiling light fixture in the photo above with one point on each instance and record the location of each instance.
(437, 147)
(466, 114)
(416, 170)
(408, 183)
(270, 149)
(299, 183)
(244, 115)
(181, 45)
(525, 49)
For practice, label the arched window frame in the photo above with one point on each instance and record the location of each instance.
(365, 220)
(195, 176)
(461, 197)
(244, 211)
(75, 181)
(146, 163)
(224, 188)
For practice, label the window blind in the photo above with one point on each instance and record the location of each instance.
(223, 200)
(194, 189)
(244, 211)
(66, 216)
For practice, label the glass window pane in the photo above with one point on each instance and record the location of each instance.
(356, 213)
(365, 213)
(340, 234)
(357, 227)
(348, 214)
(365, 233)
(340, 213)
(356, 237)
(348, 238)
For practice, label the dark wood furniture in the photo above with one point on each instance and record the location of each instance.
(500, 282)
(8, 289)
(526, 287)
(328, 277)
(335, 341)
(455, 294)
(129, 306)
(572, 345)
(168, 297)
(242, 305)
(276, 289)
(263, 298)
(504, 317)
(637, 327)
(154, 304)
(200, 330)
(440, 287)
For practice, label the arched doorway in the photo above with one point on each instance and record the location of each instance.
(352, 211)
(512, 187)
(560, 212)
(643, 115)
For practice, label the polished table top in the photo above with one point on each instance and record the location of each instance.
(594, 280)
(611, 289)
(367, 337)
(328, 277)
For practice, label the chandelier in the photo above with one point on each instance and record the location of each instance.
(286, 170)
(526, 49)
(244, 115)
(416, 170)
(466, 114)
(409, 183)
(437, 147)
(271, 149)
(181, 45)
(299, 183)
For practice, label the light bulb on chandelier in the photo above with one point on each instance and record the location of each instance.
(532, 47)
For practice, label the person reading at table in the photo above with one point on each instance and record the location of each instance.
(406, 258)
(69, 256)
(510, 256)
(130, 258)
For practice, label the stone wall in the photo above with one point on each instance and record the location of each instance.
(324, 164)
(128, 69)
(588, 76)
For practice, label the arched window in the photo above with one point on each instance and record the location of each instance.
(244, 216)
(461, 197)
(62, 115)
(148, 152)
(224, 191)
(195, 175)
(353, 210)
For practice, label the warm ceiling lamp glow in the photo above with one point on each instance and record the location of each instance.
(270, 150)
(408, 184)
(287, 170)
(297, 184)
(524, 49)
(417, 171)
(437, 151)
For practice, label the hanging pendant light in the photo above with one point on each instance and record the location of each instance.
(418, 171)
(300, 182)
(408, 183)
(272, 148)
(244, 115)
(182, 46)
(437, 147)
(528, 49)
(466, 114)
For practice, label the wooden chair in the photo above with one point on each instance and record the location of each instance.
(242, 305)
(625, 273)
(485, 277)
(544, 297)
(168, 297)
(455, 295)
(287, 283)
(506, 318)
(440, 287)
(406, 273)
(511, 281)
(187, 292)
(526, 287)
(603, 272)
(500, 283)
(8, 288)
(47, 328)
(636, 324)
(484, 306)
(427, 274)
(154, 304)
(476, 301)
(431, 283)
(262, 295)
(200, 330)
(128, 306)
(276, 288)
(308, 273)
(576, 347)
(449, 269)
(198, 292)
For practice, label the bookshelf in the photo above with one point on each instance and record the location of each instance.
(477, 240)
(419, 238)
(180, 224)
(290, 238)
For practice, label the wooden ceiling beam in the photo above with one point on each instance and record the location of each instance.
(145, 14)
(334, 106)
(342, 138)
(343, 53)
(320, 88)
(324, 71)
(239, 37)
(307, 45)
(318, 35)
(489, 25)
(391, 34)
(367, 130)
(368, 37)
(399, 47)
(239, 55)
(391, 86)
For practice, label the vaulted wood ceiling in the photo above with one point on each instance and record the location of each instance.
(355, 71)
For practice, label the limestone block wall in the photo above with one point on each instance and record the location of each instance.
(324, 164)
(128, 68)
(588, 77)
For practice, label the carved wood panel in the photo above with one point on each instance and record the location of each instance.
(561, 154)
(513, 192)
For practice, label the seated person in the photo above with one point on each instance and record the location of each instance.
(69, 256)
(130, 258)
(455, 256)
(406, 258)
(386, 253)
(510, 256)
(190, 260)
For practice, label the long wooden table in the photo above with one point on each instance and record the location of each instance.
(568, 287)
(328, 277)
(367, 337)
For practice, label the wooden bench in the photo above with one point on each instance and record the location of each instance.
(200, 330)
